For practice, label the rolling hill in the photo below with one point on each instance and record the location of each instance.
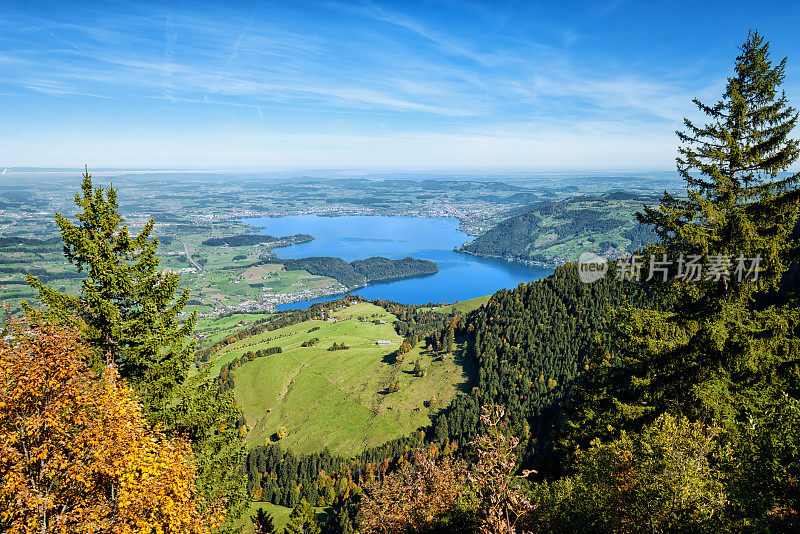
(338, 399)
(553, 233)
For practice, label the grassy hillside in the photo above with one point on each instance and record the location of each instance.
(465, 306)
(338, 398)
(209, 330)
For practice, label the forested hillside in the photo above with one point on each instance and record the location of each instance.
(551, 233)
(361, 272)
(529, 345)
(526, 346)
(376, 269)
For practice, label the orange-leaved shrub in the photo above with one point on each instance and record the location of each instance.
(76, 454)
(416, 497)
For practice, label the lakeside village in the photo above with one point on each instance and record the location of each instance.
(268, 301)
(474, 219)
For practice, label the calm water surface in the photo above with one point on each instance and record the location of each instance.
(460, 276)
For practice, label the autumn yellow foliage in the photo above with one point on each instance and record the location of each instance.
(76, 454)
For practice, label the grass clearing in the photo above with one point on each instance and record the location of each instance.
(338, 399)
(280, 515)
(465, 306)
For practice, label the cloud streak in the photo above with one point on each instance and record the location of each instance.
(332, 72)
(281, 70)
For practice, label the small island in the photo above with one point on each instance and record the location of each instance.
(246, 240)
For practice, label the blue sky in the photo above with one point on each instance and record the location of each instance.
(368, 85)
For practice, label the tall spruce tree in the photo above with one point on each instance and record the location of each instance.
(128, 311)
(715, 349)
(128, 308)
(739, 200)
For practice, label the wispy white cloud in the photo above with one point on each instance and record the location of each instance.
(429, 87)
(373, 73)
(59, 89)
(446, 43)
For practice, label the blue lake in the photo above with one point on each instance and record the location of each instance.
(460, 276)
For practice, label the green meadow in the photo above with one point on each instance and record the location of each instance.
(214, 328)
(280, 516)
(339, 399)
(465, 306)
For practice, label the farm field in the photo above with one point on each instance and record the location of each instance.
(339, 399)
(233, 278)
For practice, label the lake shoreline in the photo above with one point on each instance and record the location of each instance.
(513, 259)
(436, 239)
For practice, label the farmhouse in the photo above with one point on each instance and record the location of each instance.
(383, 342)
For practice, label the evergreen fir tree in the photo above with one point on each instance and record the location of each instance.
(263, 522)
(208, 418)
(128, 312)
(127, 308)
(715, 349)
(737, 201)
(442, 432)
(303, 520)
(341, 518)
(449, 340)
